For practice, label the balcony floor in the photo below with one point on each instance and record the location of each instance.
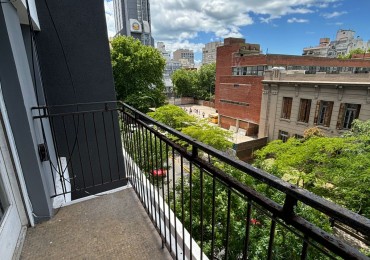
(112, 226)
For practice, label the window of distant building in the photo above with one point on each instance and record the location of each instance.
(286, 108)
(248, 71)
(347, 113)
(323, 113)
(304, 110)
(283, 135)
(297, 136)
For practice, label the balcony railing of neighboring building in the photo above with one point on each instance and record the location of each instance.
(203, 203)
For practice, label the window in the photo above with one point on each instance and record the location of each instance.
(286, 108)
(347, 113)
(323, 113)
(304, 110)
(297, 136)
(283, 135)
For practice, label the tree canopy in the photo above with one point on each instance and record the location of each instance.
(138, 73)
(173, 116)
(337, 168)
(198, 84)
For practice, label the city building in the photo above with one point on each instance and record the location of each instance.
(185, 56)
(239, 73)
(293, 101)
(344, 42)
(132, 18)
(209, 52)
(64, 139)
(162, 49)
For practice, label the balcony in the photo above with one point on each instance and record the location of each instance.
(202, 203)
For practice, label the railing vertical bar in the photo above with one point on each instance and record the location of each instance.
(174, 199)
(247, 230)
(98, 150)
(191, 207)
(157, 179)
(182, 208)
(132, 152)
(115, 144)
(149, 186)
(107, 146)
(272, 237)
(163, 202)
(228, 223)
(153, 178)
(88, 150)
(201, 213)
(168, 198)
(304, 248)
(139, 161)
(68, 161)
(78, 147)
(213, 215)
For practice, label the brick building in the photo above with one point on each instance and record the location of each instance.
(293, 101)
(239, 73)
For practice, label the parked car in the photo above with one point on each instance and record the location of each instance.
(159, 172)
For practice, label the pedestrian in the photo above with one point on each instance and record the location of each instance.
(203, 114)
(190, 110)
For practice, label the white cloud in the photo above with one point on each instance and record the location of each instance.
(109, 16)
(296, 20)
(176, 22)
(333, 14)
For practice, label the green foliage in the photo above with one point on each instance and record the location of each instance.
(337, 168)
(207, 78)
(138, 72)
(208, 134)
(350, 54)
(173, 116)
(198, 84)
(359, 128)
(185, 82)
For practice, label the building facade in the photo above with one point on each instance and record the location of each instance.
(240, 70)
(43, 65)
(344, 42)
(209, 52)
(293, 102)
(185, 56)
(132, 18)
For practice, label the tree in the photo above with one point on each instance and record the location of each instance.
(207, 78)
(350, 54)
(138, 73)
(173, 116)
(185, 82)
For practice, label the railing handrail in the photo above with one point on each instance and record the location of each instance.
(331, 209)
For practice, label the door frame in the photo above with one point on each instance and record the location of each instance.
(22, 200)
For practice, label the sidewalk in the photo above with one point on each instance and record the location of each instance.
(194, 108)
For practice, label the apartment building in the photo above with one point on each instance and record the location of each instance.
(344, 42)
(185, 56)
(132, 18)
(293, 102)
(209, 52)
(240, 70)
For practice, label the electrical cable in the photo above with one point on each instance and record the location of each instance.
(34, 48)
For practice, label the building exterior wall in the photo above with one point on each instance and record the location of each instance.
(316, 89)
(139, 10)
(240, 96)
(72, 75)
(180, 54)
(19, 97)
(209, 52)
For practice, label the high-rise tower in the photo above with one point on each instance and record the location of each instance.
(132, 18)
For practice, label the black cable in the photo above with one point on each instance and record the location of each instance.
(34, 48)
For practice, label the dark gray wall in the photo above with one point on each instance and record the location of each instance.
(19, 96)
(74, 36)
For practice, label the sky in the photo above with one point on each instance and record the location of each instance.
(279, 26)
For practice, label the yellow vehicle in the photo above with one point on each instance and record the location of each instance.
(213, 118)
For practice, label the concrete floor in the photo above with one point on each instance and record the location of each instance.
(112, 226)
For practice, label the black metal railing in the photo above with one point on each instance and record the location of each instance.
(84, 150)
(208, 204)
(204, 203)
